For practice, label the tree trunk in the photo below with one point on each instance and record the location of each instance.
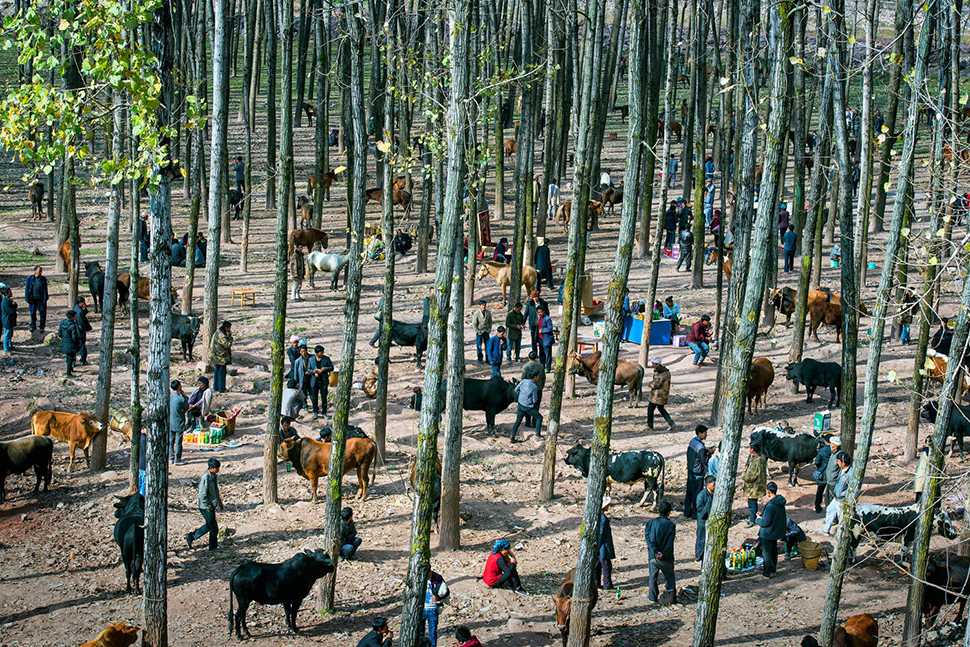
(271, 71)
(699, 85)
(321, 75)
(301, 56)
(866, 144)
(524, 199)
(134, 350)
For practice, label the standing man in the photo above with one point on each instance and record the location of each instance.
(83, 327)
(832, 470)
(514, 323)
(774, 525)
(528, 405)
(543, 261)
(8, 318)
(532, 316)
(604, 567)
(790, 240)
(704, 501)
(672, 164)
(494, 349)
(660, 533)
(754, 477)
(659, 393)
(822, 459)
(144, 237)
(70, 341)
(209, 500)
(297, 272)
(178, 406)
(240, 169)
(293, 352)
(221, 355)
(35, 294)
(670, 226)
(784, 220)
(546, 337)
(709, 192)
(686, 248)
(482, 323)
(320, 368)
(697, 456)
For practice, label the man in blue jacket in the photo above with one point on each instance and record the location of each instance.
(774, 524)
(660, 533)
(35, 294)
(8, 317)
(705, 500)
(494, 350)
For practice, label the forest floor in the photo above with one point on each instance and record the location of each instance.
(61, 580)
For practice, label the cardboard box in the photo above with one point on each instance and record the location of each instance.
(823, 421)
(680, 341)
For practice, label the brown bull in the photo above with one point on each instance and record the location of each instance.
(563, 599)
(144, 287)
(613, 196)
(760, 378)
(936, 371)
(629, 374)
(75, 429)
(675, 128)
(311, 459)
(826, 313)
(308, 237)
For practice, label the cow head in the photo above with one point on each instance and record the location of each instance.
(126, 505)
(195, 323)
(793, 372)
(944, 525)
(930, 409)
(91, 268)
(286, 446)
(118, 635)
(775, 296)
(92, 426)
(578, 457)
(318, 563)
(575, 360)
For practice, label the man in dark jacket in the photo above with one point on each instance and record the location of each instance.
(70, 340)
(704, 500)
(319, 368)
(514, 323)
(821, 464)
(240, 169)
(35, 294)
(773, 521)
(83, 327)
(531, 314)
(697, 457)
(349, 541)
(144, 237)
(604, 567)
(178, 406)
(670, 226)
(544, 262)
(660, 533)
(379, 636)
(8, 318)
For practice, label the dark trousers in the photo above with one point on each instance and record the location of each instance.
(347, 550)
(693, 489)
(480, 341)
(219, 378)
(523, 412)
(175, 446)
(769, 550)
(663, 411)
(819, 494)
(686, 255)
(700, 540)
(143, 251)
(82, 353)
(210, 526)
(789, 260)
(792, 540)
(515, 348)
(545, 356)
(70, 357)
(38, 309)
(535, 341)
(241, 186)
(546, 273)
(319, 390)
(752, 510)
(510, 577)
(496, 369)
(604, 573)
(669, 240)
(665, 568)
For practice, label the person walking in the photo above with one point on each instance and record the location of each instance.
(790, 241)
(686, 249)
(514, 323)
(672, 165)
(221, 355)
(495, 350)
(670, 226)
(482, 323)
(660, 534)
(70, 340)
(35, 294)
(240, 169)
(822, 459)
(8, 318)
(833, 513)
(709, 169)
(534, 369)
(659, 393)
(784, 221)
(320, 369)
(774, 525)
(755, 477)
(832, 470)
(209, 500)
(607, 553)
(297, 272)
(546, 338)
(699, 339)
(543, 260)
(532, 316)
(705, 499)
(434, 596)
(144, 237)
(697, 457)
(178, 406)
(528, 405)
(907, 309)
(83, 328)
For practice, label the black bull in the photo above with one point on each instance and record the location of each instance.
(795, 449)
(407, 334)
(493, 396)
(628, 468)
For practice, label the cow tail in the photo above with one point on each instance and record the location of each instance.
(231, 615)
(663, 479)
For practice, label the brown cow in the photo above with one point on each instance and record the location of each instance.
(675, 128)
(144, 287)
(936, 370)
(858, 631)
(829, 314)
(64, 251)
(563, 599)
(116, 635)
(75, 429)
(627, 373)
(784, 302)
(511, 147)
(307, 237)
(398, 196)
(613, 196)
(311, 458)
(761, 376)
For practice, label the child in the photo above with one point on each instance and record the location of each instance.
(209, 499)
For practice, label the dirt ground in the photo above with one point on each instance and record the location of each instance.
(60, 571)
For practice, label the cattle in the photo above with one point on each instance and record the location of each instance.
(311, 459)
(64, 251)
(936, 365)
(564, 212)
(287, 584)
(185, 328)
(795, 449)
(236, 201)
(96, 286)
(75, 429)
(812, 374)
(858, 631)
(627, 373)
(760, 378)
(306, 212)
(784, 302)
(19, 455)
(511, 147)
(493, 396)
(675, 128)
(893, 523)
(959, 427)
(129, 534)
(353, 431)
(411, 334)
(947, 579)
(624, 111)
(36, 195)
(563, 599)
(829, 314)
(144, 287)
(613, 196)
(116, 635)
(627, 468)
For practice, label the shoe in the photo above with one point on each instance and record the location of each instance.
(650, 427)
(818, 510)
(671, 427)
(767, 576)
(188, 539)
(315, 416)
(539, 436)
(513, 440)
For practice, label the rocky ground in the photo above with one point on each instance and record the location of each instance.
(61, 577)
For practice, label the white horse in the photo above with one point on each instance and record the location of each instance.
(327, 262)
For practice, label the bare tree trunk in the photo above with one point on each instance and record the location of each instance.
(524, 199)
(866, 144)
(271, 70)
(699, 85)
(321, 75)
(134, 350)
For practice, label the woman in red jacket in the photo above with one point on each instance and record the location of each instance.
(500, 568)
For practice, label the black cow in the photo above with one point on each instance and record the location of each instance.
(36, 195)
(795, 449)
(185, 328)
(784, 302)
(947, 580)
(493, 396)
(893, 523)
(19, 455)
(96, 286)
(129, 534)
(235, 197)
(959, 422)
(626, 467)
(287, 584)
(812, 374)
(407, 334)
(353, 431)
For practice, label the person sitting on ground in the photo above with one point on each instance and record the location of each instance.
(349, 541)
(178, 254)
(293, 401)
(464, 638)
(785, 427)
(672, 312)
(501, 254)
(287, 430)
(199, 403)
(402, 242)
(380, 635)
(793, 535)
(501, 568)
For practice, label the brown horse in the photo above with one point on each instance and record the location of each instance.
(307, 237)
(306, 212)
(502, 273)
(328, 178)
(564, 212)
(726, 265)
(398, 196)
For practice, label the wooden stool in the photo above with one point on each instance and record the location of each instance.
(583, 343)
(243, 296)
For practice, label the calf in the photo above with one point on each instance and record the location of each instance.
(493, 396)
(959, 426)
(185, 328)
(116, 635)
(563, 599)
(812, 374)
(628, 468)
(627, 373)
(893, 523)
(129, 534)
(829, 314)
(75, 429)
(236, 202)
(19, 455)
(311, 459)
(287, 584)
(761, 376)
(947, 581)
(36, 195)
(858, 631)
(511, 147)
(795, 449)
(784, 302)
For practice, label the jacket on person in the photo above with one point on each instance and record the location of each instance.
(300, 371)
(531, 312)
(178, 255)
(493, 571)
(372, 639)
(842, 484)
(528, 392)
(672, 312)
(221, 349)
(755, 476)
(606, 550)
(202, 397)
(512, 322)
(545, 331)
(790, 238)
(832, 472)
(494, 349)
(774, 519)
(660, 533)
(293, 400)
(704, 501)
(8, 313)
(298, 266)
(482, 322)
(348, 532)
(660, 387)
(323, 363)
(670, 219)
(471, 642)
(543, 259)
(178, 404)
(70, 337)
(81, 321)
(822, 459)
(209, 492)
(41, 282)
(697, 457)
(697, 334)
